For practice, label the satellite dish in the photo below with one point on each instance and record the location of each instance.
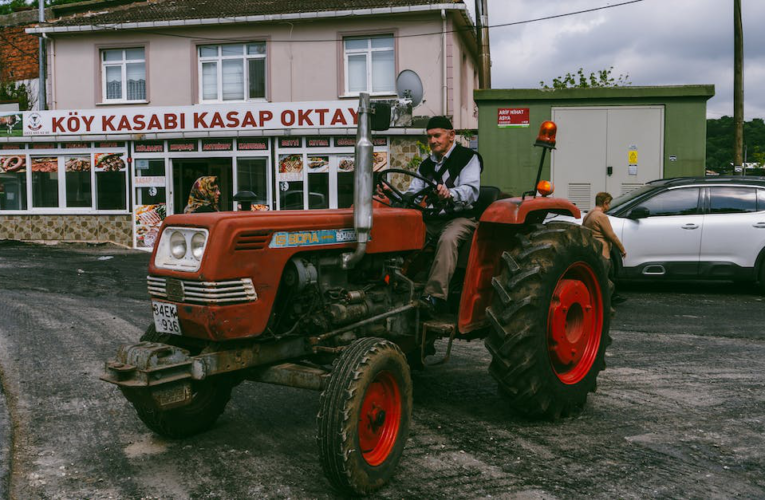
(409, 86)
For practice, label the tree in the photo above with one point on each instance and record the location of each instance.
(720, 134)
(602, 78)
(18, 92)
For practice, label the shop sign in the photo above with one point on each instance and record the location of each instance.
(149, 181)
(43, 145)
(217, 145)
(252, 116)
(76, 145)
(350, 142)
(149, 147)
(252, 144)
(110, 145)
(513, 117)
(12, 145)
(318, 142)
(183, 146)
(290, 142)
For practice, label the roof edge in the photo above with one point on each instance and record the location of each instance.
(707, 91)
(296, 16)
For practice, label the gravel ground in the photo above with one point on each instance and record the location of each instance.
(680, 410)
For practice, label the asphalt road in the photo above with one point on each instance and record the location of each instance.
(680, 411)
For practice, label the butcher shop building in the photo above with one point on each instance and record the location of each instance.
(142, 102)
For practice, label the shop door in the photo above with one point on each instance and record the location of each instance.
(187, 171)
(606, 149)
(150, 206)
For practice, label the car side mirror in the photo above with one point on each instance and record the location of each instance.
(638, 213)
(380, 115)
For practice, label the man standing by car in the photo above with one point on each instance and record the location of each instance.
(597, 221)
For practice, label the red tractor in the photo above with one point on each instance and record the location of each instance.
(325, 300)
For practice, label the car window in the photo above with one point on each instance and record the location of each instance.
(684, 201)
(732, 200)
(626, 198)
(760, 200)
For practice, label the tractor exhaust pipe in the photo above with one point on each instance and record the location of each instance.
(372, 116)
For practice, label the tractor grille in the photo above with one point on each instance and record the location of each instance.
(202, 292)
(252, 240)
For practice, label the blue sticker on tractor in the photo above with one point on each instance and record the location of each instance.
(312, 238)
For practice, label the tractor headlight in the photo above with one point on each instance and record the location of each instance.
(198, 242)
(181, 248)
(177, 245)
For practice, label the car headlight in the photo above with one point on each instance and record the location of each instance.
(181, 248)
(177, 245)
(198, 245)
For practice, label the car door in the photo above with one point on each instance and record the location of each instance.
(734, 228)
(667, 241)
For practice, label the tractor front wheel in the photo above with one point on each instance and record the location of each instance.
(550, 315)
(364, 416)
(209, 399)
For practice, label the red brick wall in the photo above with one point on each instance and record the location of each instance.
(18, 54)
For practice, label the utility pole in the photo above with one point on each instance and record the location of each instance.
(41, 104)
(484, 52)
(738, 87)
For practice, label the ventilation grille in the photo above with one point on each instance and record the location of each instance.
(252, 240)
(579, 194)
(628, 187)
(202, 292)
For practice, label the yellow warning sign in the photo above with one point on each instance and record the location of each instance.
(633, 157)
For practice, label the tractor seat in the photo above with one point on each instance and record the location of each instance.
(486, 196)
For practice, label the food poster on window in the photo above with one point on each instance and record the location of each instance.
(148, 219)
(77, 164)
(345, 164)
(380, 161)
(13, 163)
(318, 164)
(46, 164)
(291, 167)
(110, 162)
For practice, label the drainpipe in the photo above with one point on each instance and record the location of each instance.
(443, 56)
(41, 104)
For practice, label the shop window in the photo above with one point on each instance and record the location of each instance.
(232, 72)
(123, 74)
(345, 184)
(13, 182)
(252, 175)
(111, 181)
(44, 182)
(79, 190)
(318, 182)
(370, 65)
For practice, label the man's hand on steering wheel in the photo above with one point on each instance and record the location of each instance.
(409, 200)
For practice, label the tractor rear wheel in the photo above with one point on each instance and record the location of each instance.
(364, 416)
(550, 316)
(209, 399)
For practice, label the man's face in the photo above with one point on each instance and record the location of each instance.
(440, 140)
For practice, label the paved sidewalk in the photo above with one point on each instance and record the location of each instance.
(5, 445)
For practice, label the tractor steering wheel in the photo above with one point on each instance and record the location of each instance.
(409, 200)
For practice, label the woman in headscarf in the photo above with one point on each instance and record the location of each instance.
(204, 196)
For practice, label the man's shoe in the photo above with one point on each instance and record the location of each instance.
(434, 305)
(618, 299)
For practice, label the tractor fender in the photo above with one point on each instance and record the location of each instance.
(497, 225)
(517, 210)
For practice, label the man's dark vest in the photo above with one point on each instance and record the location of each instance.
(456, 161)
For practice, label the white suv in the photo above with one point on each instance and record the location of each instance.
(693, 228)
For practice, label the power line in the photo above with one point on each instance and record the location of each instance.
(414, 35)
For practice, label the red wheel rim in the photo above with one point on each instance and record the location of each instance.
(379, 419)
(575, 323)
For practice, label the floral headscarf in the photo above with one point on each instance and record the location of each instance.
(203, 195)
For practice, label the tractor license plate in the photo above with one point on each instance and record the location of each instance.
(166, 317)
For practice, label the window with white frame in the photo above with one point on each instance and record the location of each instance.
(123, 74)
(370, 65)
(232, 72)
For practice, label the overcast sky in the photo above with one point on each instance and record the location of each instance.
(654, 42)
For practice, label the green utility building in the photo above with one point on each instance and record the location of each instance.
(609, 139)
